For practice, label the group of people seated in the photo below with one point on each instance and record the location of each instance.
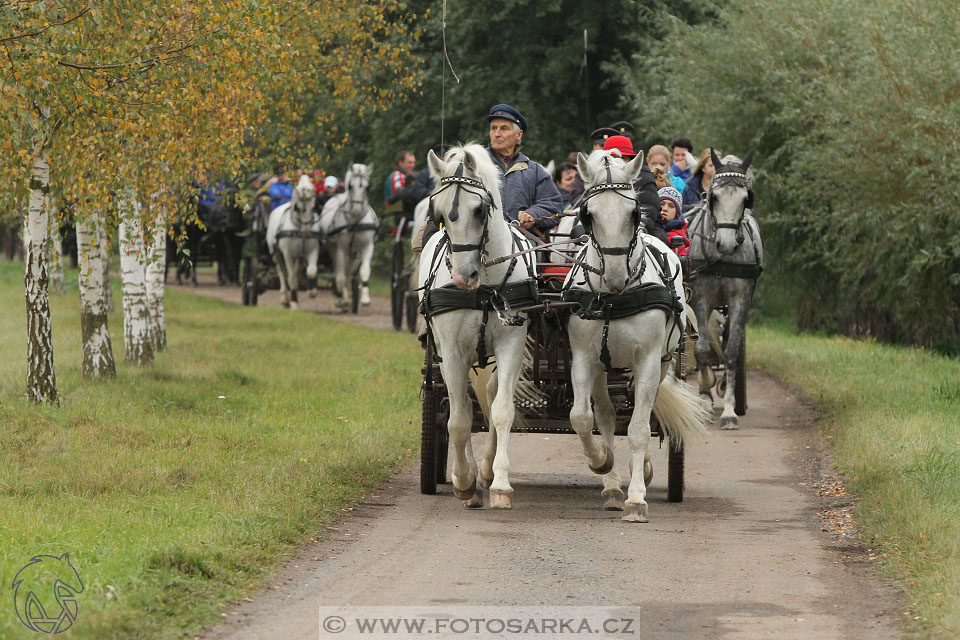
(278, 186)
(673, 180)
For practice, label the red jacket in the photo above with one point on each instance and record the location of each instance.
(678, 230)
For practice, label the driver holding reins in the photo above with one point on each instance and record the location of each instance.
(528, 192)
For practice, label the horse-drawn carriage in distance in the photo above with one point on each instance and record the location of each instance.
(591, 343)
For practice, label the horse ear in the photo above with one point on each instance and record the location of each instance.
(583, 166)
(716, 160)
(436, 164)
(369, 169)
(747, 161)
(551, 168)
(469, 162)
(634, 167)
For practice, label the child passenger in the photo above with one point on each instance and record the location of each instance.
(670, 213)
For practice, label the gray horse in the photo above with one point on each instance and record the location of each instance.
(726, 258)
(293, 234)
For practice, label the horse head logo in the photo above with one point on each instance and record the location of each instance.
(45, 593)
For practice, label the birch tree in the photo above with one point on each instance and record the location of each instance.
(57, 282)
(97, 348)
(137, 344)
(156, 255)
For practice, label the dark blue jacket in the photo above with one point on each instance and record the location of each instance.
(693, 192)
(526, 186)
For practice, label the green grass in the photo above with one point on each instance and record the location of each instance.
(171, 499)
(892, 416)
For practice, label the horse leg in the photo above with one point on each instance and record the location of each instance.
(705, 376)
(737, 319)
(293, 277)
(366, 258)
(606, 417)
(341, 263)
(313, 255)
(464, 477)
(646, 372)
(490, 450)
(584, 370)
(281, 274)
(509, 352)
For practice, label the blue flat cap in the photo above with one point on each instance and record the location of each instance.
(509, 113)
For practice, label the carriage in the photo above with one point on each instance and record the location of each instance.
(548, 370)
(403, 297)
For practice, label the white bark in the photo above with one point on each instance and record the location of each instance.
(97, 348)
(41, 378)
(57, 282)
(105, 265)
(156, 262)
(136, 315)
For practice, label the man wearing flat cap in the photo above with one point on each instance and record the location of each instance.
(528, 192)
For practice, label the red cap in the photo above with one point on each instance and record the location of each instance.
(621, 144)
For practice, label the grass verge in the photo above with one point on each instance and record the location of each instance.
(892, 416)
(178, 487)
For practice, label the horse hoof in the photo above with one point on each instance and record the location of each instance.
(293, 306)
(466, 494)
(647, 472)
(500, 499)
(612, 499)
(607, 462)
(635, 513)
(475, 501)
(486, 475)
(312, 293)
(728, 424)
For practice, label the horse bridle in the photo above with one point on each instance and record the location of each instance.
(738, 179)
(464, 183)
(586, 220)
(365, 185)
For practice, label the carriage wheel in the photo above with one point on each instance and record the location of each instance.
(740, 388)
(355, 289)
(674, 473)
(398, 287)
(443, 441)
(433, 447)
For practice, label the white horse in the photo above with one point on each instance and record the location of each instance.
(726, 258)
(468, 307)
(293, 233)
(630, 316)
(350, 225)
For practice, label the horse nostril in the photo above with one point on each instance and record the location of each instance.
(475, 275)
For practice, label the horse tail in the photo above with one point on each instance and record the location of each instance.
(680, 410)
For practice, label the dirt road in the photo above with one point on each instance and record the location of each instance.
(760, 548)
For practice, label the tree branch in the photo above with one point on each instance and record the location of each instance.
(20, 36)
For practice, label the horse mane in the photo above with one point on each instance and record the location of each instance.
(486, 170)
(618, 167)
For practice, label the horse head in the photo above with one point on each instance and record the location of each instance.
(358, 183)
(729, 196)
(609, 212)
(303, 198)
(465, 200)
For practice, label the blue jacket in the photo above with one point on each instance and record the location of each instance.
(693, 192)
(280, 193)
(683, 174)
(210, 194)
(526, 186)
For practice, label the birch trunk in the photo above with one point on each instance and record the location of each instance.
(57, 282)
(41, 379)
(136, 316)
(156, 261)
(97, 348)
(105, 265)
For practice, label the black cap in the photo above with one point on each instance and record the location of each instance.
(507, 112)
(623, 128)
(601, 134)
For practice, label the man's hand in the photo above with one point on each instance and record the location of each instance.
(526, 219)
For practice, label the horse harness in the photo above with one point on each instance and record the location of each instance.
(503, 298)
(643, 296)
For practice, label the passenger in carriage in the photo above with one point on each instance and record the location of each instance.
(564, 177)
(529, 195)
(331, 187)
(658, 159)
(670, 213)
(695, 189)
(645, 186)
(682, 157)
(281, 191)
